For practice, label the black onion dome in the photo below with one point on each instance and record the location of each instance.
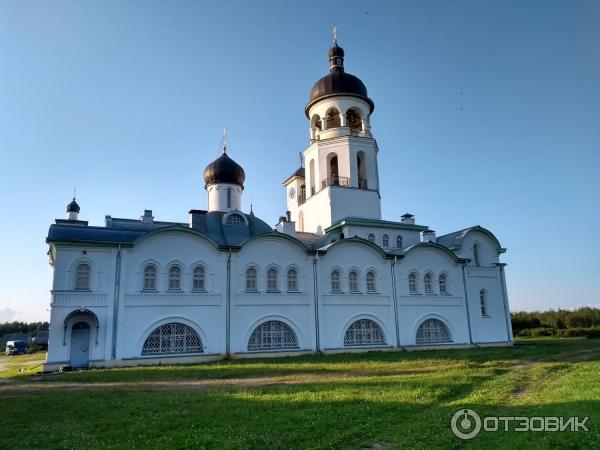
(338, 82)
(224, 170)
(73, 207)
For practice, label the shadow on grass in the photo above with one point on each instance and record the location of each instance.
(371, 363)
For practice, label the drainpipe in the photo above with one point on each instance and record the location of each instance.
(316, 297)
(228, 308)
(509, 332)
(467, 303)
(395, 297)
(116, 303)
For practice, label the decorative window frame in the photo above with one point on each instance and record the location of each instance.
(401, 238)
(244, 279)
(484, 306)
(182, 275)
(268, 318)
(416, 274)
(142, 269)
(72, 274)
(339, 270)
(377, 320)
(431, 291)
(442, 319)
(193, 268)
(384, 238)
(476, 253)
(299, 287)
(447, 275)
(236, 212)
(278, 276)
(375, 280)
(358, 289)
(181, 319)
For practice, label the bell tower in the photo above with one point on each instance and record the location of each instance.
(340, 177)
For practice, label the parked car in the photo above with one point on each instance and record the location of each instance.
(16, 348)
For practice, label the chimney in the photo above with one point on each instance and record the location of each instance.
(408, 219)
(147, 218)
(286, 225)
(196, 218)
(429, 236)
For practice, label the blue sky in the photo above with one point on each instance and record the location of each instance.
(486, 113)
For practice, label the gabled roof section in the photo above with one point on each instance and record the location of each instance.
(178, 229)
(375, 223)
(428, 245)
(356, 240)
(300, 173)
(454, 240)
(277, 235)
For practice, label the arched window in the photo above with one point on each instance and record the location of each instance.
(235, 219)
(353, 120)
(173, 338)
(371, 237)
(353, 281)
(251, 279)
(334, 174)
(483, 302)
(333, 118)
(335, 281)
(386, 240)
(427, 284)
(228, 198)
(412, 282)
(272, 280)
(433, 331)
(174, 278)
(476, 254)
(361, 170)
(292, 280)
(150, 278)
(273, 335)
(82, 277)
(399, 241)
(443, 283)
(198, 279)
(364, 332)
(371, 287)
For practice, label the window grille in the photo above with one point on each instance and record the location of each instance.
(364, 332)
(198, 279)
(82, 277)
(173, 338)
(273, 335)
(433, 331)
(235, 219)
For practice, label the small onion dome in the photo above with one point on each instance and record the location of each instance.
(73, 207)
(338, 82)
(224, 170)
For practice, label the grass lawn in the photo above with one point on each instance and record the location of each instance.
(397, 400)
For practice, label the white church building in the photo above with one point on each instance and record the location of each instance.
(333, 276)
